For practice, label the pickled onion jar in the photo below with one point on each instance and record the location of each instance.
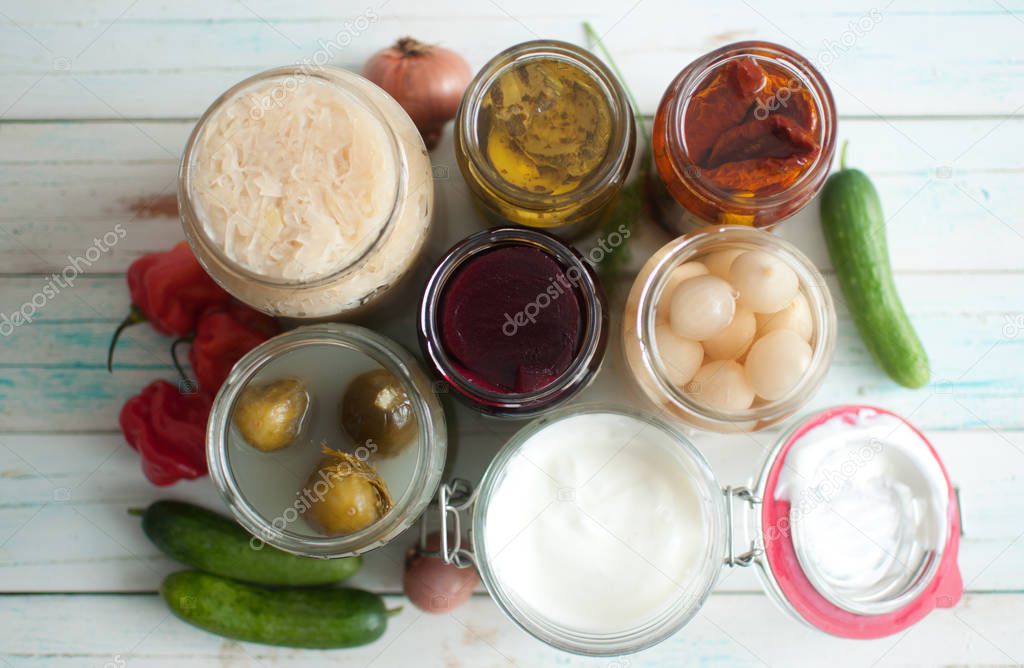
(681, 382)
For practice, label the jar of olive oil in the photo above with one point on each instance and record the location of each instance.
(545, 136)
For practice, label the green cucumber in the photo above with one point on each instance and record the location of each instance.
(308, 618)
(854, 227)
(211, 542)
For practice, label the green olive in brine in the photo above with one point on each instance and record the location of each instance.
(345, 494)
(377, 413)
(270, 416)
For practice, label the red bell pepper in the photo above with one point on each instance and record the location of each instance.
(223, 335)
(168, 428)
(169, 290)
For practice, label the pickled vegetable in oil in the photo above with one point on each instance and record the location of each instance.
(546, 126)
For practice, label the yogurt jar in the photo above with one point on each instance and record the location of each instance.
(306, 194)
(729, 329)
(602, 531)
(326, 441)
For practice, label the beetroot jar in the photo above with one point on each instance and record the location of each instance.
(514, 320)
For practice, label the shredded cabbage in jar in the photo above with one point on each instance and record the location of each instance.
(294, 179)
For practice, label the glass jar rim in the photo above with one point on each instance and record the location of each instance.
(654, 631)
(521, 404)
(694, 74)
(432, 440)
(776, 576)
(819, 301)
(190, 217)
(619, 152)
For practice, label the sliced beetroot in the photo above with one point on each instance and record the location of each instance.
(511, 320)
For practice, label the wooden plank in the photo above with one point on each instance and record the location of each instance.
(731, 630)
(952, 208)
(52, 374)
(71, 64)
(63, 525)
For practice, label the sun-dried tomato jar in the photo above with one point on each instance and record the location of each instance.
(743, 136)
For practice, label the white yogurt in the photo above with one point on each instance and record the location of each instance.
(868, 507)
(598, 524)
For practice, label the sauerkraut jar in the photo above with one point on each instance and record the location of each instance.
(306, 194)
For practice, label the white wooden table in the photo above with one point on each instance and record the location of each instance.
(96, 99)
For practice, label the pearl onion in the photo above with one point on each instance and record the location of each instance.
(796, 316)
(722, 385)
(677, 276)
(776, 363)
(734, 340)
(680, 357)
(718, 263)
(764, 282)
(702, 306)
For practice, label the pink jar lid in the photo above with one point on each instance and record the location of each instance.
(783, 562)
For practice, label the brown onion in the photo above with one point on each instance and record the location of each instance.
(432, 585)
(427, 80)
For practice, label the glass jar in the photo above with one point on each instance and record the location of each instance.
(271, 493)
(754, 525)
(275, 238)
(535, 325)
(676, 388)
(510, 165)
(737, 181)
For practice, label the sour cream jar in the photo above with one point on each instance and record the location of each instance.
(306, 194)
(287, 496)
(602, 531)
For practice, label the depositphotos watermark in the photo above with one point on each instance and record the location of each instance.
(313, 493)
(827, 490)
(559, 285)
(832, 49)
(62, 280)
(314, 63)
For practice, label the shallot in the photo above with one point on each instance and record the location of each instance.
(427, 80)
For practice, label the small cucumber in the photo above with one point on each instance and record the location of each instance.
(308, 618)
(854, 227)
(211, 542)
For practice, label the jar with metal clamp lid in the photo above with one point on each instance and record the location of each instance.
(595, 494)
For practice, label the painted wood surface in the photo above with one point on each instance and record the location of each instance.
(733, 631)
(96, 100)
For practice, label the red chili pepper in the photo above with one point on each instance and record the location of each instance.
(168, 429)
(169, 290)
(223, 335)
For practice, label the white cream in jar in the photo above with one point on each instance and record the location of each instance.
(867, 509)
(597, 524)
